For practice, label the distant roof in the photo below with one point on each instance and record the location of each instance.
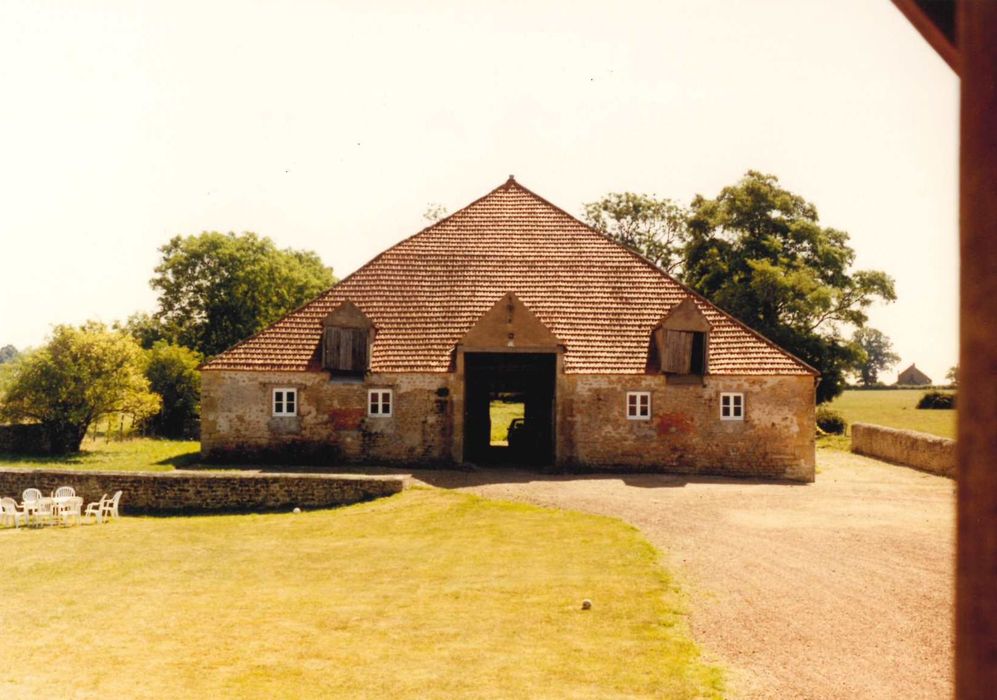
(912, 375)
(423, 294)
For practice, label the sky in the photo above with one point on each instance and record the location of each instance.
(332, 126)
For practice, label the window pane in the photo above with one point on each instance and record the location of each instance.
(289, 400)
(373, 403)
(386, 402)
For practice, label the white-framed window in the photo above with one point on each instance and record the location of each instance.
(731, 406)
(638, 405)
(285, 402)
(379, 402)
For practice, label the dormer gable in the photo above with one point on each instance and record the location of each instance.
(509, 323)
(347, 335)
(680, 340)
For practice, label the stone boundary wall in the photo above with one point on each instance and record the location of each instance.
(922, 451)
(176, 493)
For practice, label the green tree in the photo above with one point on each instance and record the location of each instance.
(879, 355)
(655, 228)
(7, 353)
(953, 375)
(172, 374)
(144, 327)
(217, 289)
(434, 212)
(759, 252)
(79, 376)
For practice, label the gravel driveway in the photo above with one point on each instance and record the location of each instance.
(838, 589)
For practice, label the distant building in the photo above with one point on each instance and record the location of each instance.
(913, 376)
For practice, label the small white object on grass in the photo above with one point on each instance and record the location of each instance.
(297, 510)
(586, 604)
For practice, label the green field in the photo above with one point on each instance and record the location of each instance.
(135, 454)
(894, 408)
(428, 594)
(501, 414)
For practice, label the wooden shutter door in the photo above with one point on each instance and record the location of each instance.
(678, 352)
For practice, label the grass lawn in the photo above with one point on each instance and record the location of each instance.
(136, 454)
(894, 409)
(425, 594)
(501, 414)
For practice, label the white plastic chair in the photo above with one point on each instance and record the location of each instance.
(9, 514)
(64, 492)
(109, 508)
(95, 509)
(35, 507)
(70, 509)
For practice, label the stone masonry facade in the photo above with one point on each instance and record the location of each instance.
(684, 432)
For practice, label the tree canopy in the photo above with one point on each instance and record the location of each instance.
(217, 289)
(878, 354)
(80, 375)
(172, 374)
(759, 252)
(651, 226)
(8, 353)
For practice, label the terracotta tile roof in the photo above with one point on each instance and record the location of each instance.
(424, 293)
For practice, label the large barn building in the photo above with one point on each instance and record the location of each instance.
(613, 364)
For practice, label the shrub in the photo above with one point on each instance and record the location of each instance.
(830, 421)
(936, 399)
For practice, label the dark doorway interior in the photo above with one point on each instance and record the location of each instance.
(498, 387)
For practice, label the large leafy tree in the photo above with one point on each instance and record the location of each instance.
(654, 227)
(879, 355)
(172, 374)
(217, 289)
(759, 252)
(81, 375)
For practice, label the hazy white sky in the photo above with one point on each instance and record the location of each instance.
(331, 125)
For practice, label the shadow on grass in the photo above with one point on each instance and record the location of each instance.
(13, 459)
(187, 460)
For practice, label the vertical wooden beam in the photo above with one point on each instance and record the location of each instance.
(976, 588)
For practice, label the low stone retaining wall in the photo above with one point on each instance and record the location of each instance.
(922, 451)
(207, 492)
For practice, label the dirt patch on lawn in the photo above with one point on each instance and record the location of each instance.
(838, 589)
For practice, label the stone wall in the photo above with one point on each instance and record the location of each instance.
(187, 492)
(685, 433)
(23, 439)
(332, 425)
(919, 450)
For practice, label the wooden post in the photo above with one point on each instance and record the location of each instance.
(976, 588)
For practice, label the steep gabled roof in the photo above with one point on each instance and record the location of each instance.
(423, 294)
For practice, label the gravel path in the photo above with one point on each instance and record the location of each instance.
(838, 589)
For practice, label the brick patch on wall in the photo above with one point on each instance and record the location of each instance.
(194, 492)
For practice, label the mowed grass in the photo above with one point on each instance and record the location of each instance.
(135, 454)
(501, 414)
(895, 409)
(428, 594)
